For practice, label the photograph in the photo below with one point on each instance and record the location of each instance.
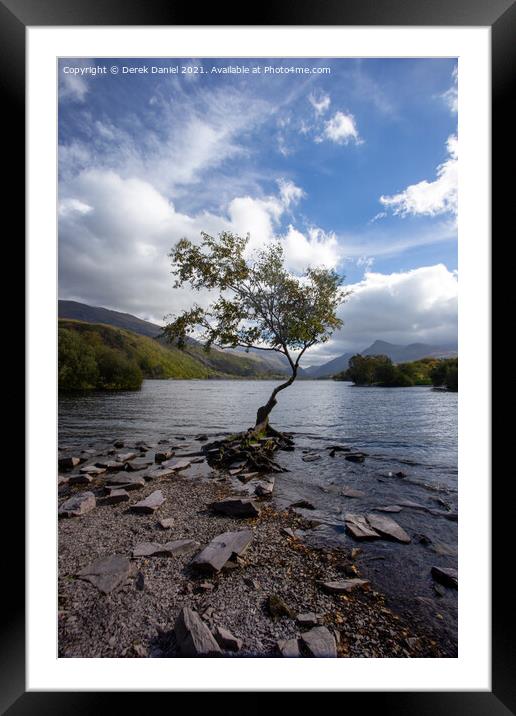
(257, 358)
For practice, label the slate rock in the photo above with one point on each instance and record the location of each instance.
(92, 470)
(163, 455)
(149, 504)
(78, 505)
(193, 637)
(343, 586)
(387, 527)
(176, 464)
(355, 457)
(80, 479)
(264, 489)
(359, 528)
(236, 507)
(107, 573)
(446, 575)
(115, 497)
(226, 640)
(389, 508)
(166, 523)
(126, 482)
(304, 504)
(319, 642)
(68, 463)
(308, 619)
(215, 555)
(289, 648)
(126, 457)
(351, 492)
(169, 549)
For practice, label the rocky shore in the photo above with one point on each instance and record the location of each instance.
(164, 551)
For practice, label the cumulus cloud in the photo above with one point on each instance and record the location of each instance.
(407, 307)
(115, 234)
(341, 129)
(430, 198)
(320, 102)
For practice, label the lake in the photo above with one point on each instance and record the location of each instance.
(409, 435)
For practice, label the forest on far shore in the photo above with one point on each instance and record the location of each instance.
(382, 372)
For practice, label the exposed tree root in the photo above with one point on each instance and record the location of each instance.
(250, 451)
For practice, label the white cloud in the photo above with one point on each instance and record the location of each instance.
(320, 102)
(115, 234)
(451, 96)
(341, 129)
(407, 307)
(430, 197)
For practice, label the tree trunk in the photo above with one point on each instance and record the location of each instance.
(262, 416)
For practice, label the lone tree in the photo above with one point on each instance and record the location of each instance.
(260, 304)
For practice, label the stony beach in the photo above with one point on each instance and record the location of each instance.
(163, 552)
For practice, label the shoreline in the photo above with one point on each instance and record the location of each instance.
(278, 570)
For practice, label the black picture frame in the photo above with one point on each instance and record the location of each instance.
(500, 16)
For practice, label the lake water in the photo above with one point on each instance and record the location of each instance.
(412, 431)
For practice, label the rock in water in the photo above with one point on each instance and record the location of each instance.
(175, 464)
(78, 505)
(320, 642)
(387, 527)
(447, 576)
(351, 492)
(289, 648)
(149, 504)
(193, 636)
(67, 463)
(226, 640)
(355, 457)
(221, 549)
(236, 507)
(359, 528)
(107, 573)
(343, 586)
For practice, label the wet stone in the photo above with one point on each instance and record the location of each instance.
(359, 528)
(387, 527)
(343, 586)
(446, 576)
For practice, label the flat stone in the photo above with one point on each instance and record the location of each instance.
(176, 465)
(350, 492)
(413, 505)
(169, 549)
(304, 504)
(193, 637)
(311, 457)
(359, 528)
(78, 505)
(307, 620)
(126, 482)
(343, 586)
(229, 544)
(446, 575)
(166, 523)
(115, 496)
(236, 507)
(138, 464)
(92, 470)
(107, 573)
(118, 444)
(226, 640)
(247, 476)
(149, 504)
(80, 479)
(320, 642)
(112, 465)
(288, 532)
(163, 455)
(289, 648)
(355, 457)
(68, 463)
(389, 508)
(125, 457)
(387, 527)
(264, 489)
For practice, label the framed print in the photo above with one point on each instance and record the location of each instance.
(255, 256)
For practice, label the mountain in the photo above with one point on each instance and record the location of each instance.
(397, 353)
(233, 361)
(96, 314)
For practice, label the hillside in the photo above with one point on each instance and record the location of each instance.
(97, 356)
(396, 353)
(233, 362)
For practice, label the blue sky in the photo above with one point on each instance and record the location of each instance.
(352, 163)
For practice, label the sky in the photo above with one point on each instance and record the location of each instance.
(349, 163)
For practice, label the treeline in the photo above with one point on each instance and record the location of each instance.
(381, 371)
(100, 357)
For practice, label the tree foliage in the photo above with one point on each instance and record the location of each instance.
(381, 371)
(259, 304)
